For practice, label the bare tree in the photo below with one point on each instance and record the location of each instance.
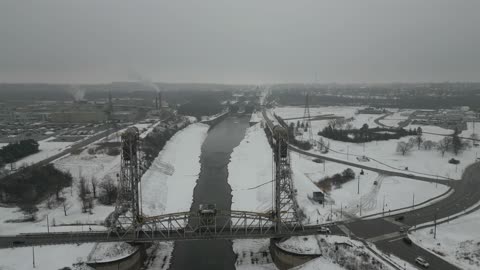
(84, 195)
(419, 140)
(93, 181)
(404, 147)
(442, 146)
(108, 191)
(428, 145)
(66, 206)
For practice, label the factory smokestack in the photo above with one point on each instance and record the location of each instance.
(159, 99)
(156, 102)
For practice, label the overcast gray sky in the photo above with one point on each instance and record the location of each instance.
(247, 41)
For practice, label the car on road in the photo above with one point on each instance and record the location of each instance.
(399, 218)
(402, 230)
(407, 240)
(324, 230)
(422, 262)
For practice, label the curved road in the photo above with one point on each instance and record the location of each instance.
(384, 231)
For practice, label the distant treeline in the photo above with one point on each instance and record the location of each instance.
(173, 93)
(365, 134)
(393, 100)
(15, 151)
(201, 105)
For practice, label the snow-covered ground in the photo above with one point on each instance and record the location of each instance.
(159, 256)
(253, 254)
(46, 257)
(251, 166)
(167, 186)
(88, 166)
(351, 254)
(99, 166)
(457, 241)
(106, 252)
(383, 154)
(395, 192)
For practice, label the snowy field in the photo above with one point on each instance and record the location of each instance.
(251, 166)
(167, 186)
(348, 256)
(457, 241)
(46, 257)
(383, 154)
(388, 194)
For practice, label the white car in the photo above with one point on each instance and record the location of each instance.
(421, 261)
(324, 230)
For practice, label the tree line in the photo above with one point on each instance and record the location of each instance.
(17, 150)
(365, 134)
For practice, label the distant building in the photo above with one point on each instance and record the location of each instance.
(78, 117)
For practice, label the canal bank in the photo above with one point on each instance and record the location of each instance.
(212, 188)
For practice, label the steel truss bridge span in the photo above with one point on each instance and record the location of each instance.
(174, 227)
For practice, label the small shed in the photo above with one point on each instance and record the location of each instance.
(318, 196)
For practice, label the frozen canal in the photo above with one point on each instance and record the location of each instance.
(212, 187)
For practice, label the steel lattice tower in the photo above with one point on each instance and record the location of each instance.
(306, 118)
(286, 208)
(129, 178)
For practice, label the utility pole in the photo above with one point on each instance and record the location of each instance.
(413, 201)
(341, 211)
(383, 205)
(33, 256)
(358, 189)
(360, 206)
(48, 227)
(435, 228)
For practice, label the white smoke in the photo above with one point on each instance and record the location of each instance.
(143, 80)
(77, 93)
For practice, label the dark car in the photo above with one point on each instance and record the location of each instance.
(407, 240)
(399, 218)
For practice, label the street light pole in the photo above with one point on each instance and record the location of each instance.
(413, 201)
(358, 189)
(33, 256)
(383, 205)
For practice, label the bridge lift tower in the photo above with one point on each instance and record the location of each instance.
(128, 210)
(287, 213)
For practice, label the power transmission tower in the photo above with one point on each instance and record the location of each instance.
(306, 118)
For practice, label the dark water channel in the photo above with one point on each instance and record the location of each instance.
(212, 187)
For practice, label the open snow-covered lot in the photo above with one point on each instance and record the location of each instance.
(457, 241)
(383, 154)
(46, 257)
(373, 193)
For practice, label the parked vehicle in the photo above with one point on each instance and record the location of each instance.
(399, 218)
